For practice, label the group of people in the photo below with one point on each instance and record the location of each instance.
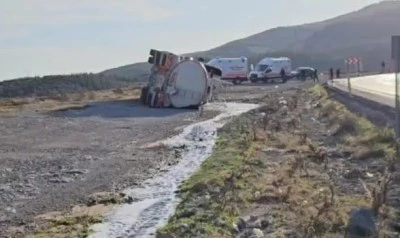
(314, 76)
(331, 73)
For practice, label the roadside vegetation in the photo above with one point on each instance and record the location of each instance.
(77, 222)
(359, 136)
(61, 84)
(298, 165)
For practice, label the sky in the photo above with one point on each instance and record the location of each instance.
(41, 37)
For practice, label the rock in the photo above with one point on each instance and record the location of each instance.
(199, 187)
(369, 175)
(240, 225)
(253, 222)
(129, 200)
(264, 224)
(187, 213)
(361, 224)
(184, 226)
(353, 174)
(284, 110)
(11, 210)
(334, 153)
(200, 231)
(316, 105)
(3, 218)
(61, 180)
(253, 218)
(257, 233)
(105, 198)
(283, 101)
(75, 172)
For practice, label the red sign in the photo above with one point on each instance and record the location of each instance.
(352, 60)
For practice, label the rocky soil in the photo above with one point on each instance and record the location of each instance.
(300, 166)
(50, 162)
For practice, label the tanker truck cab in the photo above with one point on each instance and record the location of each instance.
(233, 69)
(269, 69)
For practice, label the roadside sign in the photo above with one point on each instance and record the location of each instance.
(352, 60)
(353, 64)
(396, 68)
(396, 53)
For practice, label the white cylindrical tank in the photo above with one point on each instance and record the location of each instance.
(187, 84)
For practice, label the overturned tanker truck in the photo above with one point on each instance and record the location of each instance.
(179, 82)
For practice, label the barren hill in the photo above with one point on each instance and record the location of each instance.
(364, 33)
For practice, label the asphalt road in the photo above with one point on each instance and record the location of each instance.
(378, 88)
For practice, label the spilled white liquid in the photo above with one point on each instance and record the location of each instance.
(155, 201)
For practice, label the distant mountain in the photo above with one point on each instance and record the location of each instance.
(365, 33)
(138, 71)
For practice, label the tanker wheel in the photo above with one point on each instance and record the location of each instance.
(237, 81)
(143, 95)
(155, 102)
(148, 99)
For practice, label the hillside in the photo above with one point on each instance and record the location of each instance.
(60, 84)
(365, 33)
(138, 71)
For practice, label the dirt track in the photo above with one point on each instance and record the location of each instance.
(50, 162)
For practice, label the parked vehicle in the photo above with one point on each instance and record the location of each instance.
(269, 69)
(233, 69)
(302, 73)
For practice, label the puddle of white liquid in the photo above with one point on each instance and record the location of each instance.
(155, 201)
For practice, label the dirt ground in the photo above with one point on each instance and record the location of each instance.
(52, 161)
(296, 167)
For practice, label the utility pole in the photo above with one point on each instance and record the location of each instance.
(396, 64)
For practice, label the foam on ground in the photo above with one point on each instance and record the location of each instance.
(155, 201)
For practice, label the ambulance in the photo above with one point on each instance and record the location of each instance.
(233, 69)
(269, 69)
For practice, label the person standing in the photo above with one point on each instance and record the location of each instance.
(331, 73)
(338, 73)
(283, 75)
(303, 75)
(315, 76)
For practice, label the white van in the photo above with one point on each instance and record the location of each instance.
(233, 69)
(270, 68)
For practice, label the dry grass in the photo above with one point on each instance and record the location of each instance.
(77, 222)
(66, 101)
(68, 226)
(361, 138)
(269, 168)
(366, 141)
(296, 186)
